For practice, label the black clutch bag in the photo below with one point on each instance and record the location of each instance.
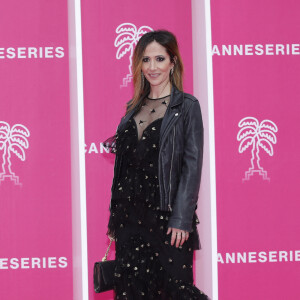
(104, 273)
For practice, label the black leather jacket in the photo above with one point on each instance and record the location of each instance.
(180, 158)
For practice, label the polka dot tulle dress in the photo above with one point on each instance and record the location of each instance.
(148, 267)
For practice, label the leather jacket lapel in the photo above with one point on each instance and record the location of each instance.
(172, 111)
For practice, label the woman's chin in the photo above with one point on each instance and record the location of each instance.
(157, 82)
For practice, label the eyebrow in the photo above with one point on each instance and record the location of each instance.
(155, 55)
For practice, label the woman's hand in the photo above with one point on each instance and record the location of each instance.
(178, 235)
(111, 237)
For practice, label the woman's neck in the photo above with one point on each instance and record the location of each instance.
(160, 90)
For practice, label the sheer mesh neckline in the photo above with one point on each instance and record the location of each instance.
(148, 126)
(149, 112)
(158, 98)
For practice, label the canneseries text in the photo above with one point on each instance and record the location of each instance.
(31, 52)
(33, 263)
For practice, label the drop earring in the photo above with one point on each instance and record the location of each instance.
(143, 79)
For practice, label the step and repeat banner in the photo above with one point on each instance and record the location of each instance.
(256, 66)
(110, 31)
(35, 200)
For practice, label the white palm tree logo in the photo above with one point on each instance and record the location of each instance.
(12, 140)
(259, 135)
(128, 36)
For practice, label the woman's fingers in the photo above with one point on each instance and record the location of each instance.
(183, 238)
(178, 236)
(187, 234)
(173, 237)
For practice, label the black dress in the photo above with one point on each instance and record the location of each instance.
(148, 267)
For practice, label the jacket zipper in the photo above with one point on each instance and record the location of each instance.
(169, 205)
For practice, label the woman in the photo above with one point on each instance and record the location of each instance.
(159, 149)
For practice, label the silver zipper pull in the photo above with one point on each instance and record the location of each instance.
(170, 208)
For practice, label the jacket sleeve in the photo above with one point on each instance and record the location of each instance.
(186, 199)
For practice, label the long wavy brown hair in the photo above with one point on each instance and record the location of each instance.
(167, 40)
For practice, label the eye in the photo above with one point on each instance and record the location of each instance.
(160, 58)
(145, 59)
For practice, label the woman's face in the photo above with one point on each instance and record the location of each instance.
(156, 64)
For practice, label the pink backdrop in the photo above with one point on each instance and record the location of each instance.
(256, 85)
(35, 216)
(105, 98)
(258, 217)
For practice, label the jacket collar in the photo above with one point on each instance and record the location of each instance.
(176, 96)
(172, 111)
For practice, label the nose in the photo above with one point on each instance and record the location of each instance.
(152, 64)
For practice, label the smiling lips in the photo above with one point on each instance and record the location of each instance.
(154, 75)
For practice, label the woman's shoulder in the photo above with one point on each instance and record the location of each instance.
(190, 102)
(189, 97)
(178, 93)
(191, 105)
